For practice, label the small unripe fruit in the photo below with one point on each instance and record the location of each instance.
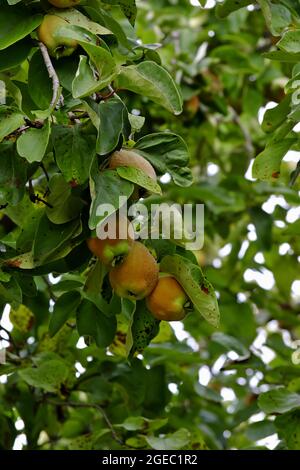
(130, 158)
(168, 300)
(118, 243)
(58, 46)
(137, 275)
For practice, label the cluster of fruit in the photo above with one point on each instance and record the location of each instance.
(133, 271)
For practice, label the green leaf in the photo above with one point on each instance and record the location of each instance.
(136, 423)
(49, 376)
(29, 225)
(10, 120)
(85, 83)
(103, 17)
(4, 277)
(74, 152)
(13, 175)
(65, 205)
(288, 428)
(10, 291)
(274, 117)
(129, 9)
(136, 122)
(177, 440)
(106, 187)
(168, 153)
(33, 143)
(137, 176)
(142, 329)
(151, 80)
(27, 284)
(37, 73)
(92, 322)
(49, 237)
(16, 23)
(278, 401)
(285, 277)
(20, 92)
(76, 18)
(277, 16)
(102, 60)
(228, 6)
(290, 41)
(112, 114)
(260, 430)
(64, 308)
(282, 56)
(196, 286)
(207, 393)
(267, 164)
(15, 54)
(263, 223)
(230, 343)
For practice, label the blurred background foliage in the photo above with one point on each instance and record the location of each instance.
(194, 387)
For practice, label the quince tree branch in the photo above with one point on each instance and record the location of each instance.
(52, 75)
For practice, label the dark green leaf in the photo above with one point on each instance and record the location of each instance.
(278, 401)
(106, 187)
(74, 152)
(151, 80)
(16, 23)
(64, 308)
(92, 322)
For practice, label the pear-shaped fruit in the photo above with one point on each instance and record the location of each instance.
(115, 242)
(48, 33)
(137, 275)
(168, 300)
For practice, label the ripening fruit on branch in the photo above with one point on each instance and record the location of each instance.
(57, 46)
(137, 275)
(168, 301)
(120, 238)
(64, 3)
(130, 158)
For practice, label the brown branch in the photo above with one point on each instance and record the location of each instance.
(73, 117)
(49, 288)
(52, 75)
(110, 93)
(90, 405)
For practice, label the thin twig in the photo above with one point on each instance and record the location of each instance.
(35, 198)
(49, 288)
(52, 75)
(90, 405)
(110, 93)
(74, 117)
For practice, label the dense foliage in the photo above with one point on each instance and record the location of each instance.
(185, 85)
